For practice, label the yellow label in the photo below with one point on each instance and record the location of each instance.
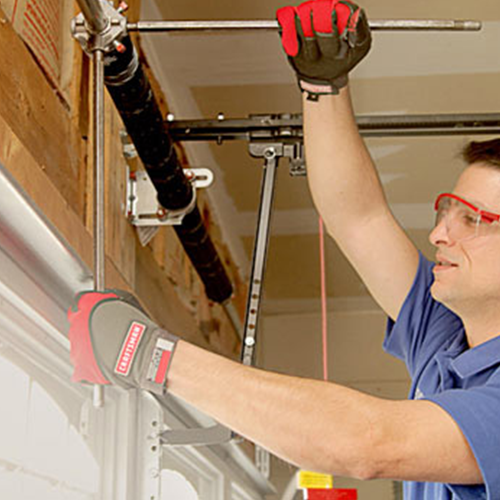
(311, 480)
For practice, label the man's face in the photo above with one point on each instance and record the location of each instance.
(467, 273)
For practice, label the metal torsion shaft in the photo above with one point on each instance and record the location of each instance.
(376, 25)
(94, 15)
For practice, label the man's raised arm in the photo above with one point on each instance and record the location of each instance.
(324, 40)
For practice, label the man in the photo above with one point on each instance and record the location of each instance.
(444, 441)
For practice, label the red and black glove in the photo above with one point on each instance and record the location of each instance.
(113, 341)
(324, 40)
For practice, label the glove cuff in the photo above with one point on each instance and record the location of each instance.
(155, 364)
(315, 88)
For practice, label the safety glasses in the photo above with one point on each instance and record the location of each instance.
(463, 219)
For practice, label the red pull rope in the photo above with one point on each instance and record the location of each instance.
(324, 324)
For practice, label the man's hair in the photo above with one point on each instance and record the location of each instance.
(486, 152)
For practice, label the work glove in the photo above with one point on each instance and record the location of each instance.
(113, 341)
(324, 40)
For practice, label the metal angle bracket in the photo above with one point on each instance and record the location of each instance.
(271, 152)
(190, 436)
(202, 436)
(142, 207)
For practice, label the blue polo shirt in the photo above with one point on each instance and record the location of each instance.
(465, 382)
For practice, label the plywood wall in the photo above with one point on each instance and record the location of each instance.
(46, 143)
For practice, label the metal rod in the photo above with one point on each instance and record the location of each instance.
(259, 257)
(266, 25)
(94, 15)
(99, 256)
(99, 220)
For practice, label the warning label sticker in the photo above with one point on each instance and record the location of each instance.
(308, 479)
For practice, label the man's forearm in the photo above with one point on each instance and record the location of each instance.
(310, 423)
(314, 424)
(342, 178)
(323, 426)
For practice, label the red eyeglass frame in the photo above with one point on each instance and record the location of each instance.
(488, 217)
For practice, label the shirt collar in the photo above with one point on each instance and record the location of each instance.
(475, 360)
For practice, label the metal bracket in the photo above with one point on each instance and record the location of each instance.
(108, 39)
(142, 207)
(191, 436)
(203, 436)
(297, 160)
(291, 147)
(271, 152)
(263, 461)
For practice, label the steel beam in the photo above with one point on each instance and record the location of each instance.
(272, 25)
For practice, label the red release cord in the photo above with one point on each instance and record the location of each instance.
(324, 326)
